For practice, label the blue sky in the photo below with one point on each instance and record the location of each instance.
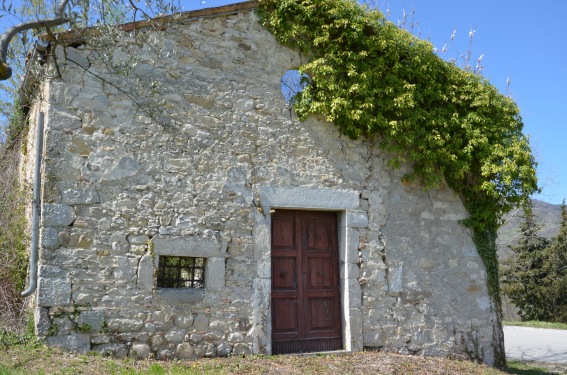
(523, 41)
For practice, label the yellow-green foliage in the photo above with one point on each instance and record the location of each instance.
(370, 77)
(373, 79)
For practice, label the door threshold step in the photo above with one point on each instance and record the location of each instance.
(315, 354)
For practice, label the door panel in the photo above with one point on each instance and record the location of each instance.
(318, 234)
(283, 233)
(286, 309)
(284, 270)
(305, 282)
(321, 272)
(322, 317)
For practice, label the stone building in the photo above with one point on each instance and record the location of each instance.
(207, 220)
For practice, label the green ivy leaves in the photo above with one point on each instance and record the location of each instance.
(371, 78)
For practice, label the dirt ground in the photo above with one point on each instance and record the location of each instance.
(42, 360)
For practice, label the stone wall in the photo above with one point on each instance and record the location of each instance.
(196, 170)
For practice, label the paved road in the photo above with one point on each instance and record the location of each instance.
(536, 344)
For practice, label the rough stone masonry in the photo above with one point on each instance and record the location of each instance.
(196, 168)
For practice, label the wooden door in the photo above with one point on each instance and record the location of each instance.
(306, 313)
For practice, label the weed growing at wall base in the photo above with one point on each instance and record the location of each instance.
(22, 335)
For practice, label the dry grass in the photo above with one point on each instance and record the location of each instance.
(12, 241)
(41, 360)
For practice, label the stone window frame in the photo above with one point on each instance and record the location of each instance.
(350, 217)
(191, 246)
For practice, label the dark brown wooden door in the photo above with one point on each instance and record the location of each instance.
(305, 282)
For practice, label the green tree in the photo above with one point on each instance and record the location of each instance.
(555, 282)
(523, 272)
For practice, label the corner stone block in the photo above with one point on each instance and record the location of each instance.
(342, 220)
(215, 274)
(146, 273)
(52, 272)
(186, 246)
(354, 293)
(356, 219)
(42, 321)
(352, 242)
(57, 215)
(79, 196)
(53, 292)
(350, 271)
(61, 120)
(356, 319)
(138, 239)
(262, 236)
(79, 343)
(306, 197)
(76, 57)
(49, 238)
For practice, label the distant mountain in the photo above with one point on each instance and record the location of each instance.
(547, 215)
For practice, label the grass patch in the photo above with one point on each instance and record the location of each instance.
(521, 368)
(33, 359)
(536, 324)
(24, 359)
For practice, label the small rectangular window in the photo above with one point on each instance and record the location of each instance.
(181, 272)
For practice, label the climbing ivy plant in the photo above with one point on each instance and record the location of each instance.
(372, 79)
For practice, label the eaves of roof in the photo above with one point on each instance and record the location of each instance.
(157, 22)
(79, 36)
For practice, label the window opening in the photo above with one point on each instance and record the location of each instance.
(292, 83)
(181, 272)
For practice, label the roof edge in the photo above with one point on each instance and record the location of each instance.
(77, 35)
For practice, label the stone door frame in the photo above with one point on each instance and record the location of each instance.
(347, 205)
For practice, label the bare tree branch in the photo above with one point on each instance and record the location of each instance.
(6, 38)
(136, 9)
(129, 95)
